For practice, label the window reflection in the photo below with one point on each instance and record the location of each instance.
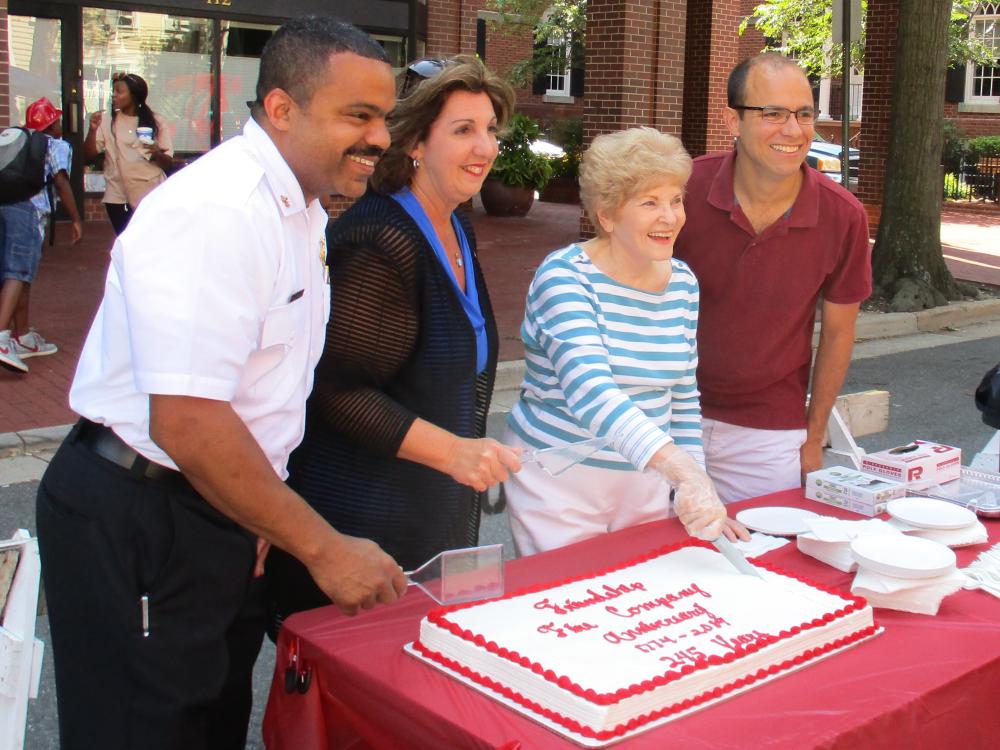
(173, 55)
(34, 48)
(242, 44)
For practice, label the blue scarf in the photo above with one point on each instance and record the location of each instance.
(470, 298)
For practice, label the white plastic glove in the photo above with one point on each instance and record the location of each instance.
(695, 500)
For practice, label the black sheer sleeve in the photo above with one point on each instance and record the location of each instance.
(372, 331)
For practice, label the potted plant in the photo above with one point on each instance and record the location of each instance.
(564, 187)
(517, 172)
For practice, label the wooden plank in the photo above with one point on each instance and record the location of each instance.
(865, 413)
(8, 566)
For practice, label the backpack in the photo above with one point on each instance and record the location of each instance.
(22, 164)
(988, 397)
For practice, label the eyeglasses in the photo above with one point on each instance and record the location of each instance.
(779, 115)
(120, 77)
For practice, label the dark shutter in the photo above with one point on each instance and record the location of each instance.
(481, 38)
(576, 70)
(954, 85)
(540, 84)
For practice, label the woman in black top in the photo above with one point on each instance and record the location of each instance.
(394, 448)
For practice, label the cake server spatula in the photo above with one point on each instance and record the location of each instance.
(735, 557)
(556, 460)
(461, 575)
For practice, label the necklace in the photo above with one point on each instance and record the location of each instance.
(458, 259)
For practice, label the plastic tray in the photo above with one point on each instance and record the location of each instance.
(979, 491)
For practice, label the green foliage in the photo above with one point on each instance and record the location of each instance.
(953, 150)
(954, 188)
(548, 20)
(516, 164)
(802, 29)
(984, 145)
(568, 133)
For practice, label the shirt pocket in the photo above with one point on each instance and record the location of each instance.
(283, 325)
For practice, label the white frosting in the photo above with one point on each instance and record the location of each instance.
(614, 631)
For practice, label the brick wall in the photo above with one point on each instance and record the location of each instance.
(452, 30)
(972, 123)
(880, 66)
(712, 51)
(4, 68)
(752, 42)
(635, 62)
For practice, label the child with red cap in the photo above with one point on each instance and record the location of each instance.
(22, 232)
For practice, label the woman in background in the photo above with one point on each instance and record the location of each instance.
(394, 448)
(133, 166)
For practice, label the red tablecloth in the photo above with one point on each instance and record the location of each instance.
(926, 682)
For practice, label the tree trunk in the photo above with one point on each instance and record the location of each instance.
(907, 262)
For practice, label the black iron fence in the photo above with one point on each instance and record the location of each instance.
(975, 181)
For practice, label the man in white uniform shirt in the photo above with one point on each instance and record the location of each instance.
(154, 516)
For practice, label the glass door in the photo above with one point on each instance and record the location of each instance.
(43, 47)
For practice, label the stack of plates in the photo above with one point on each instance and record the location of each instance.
(928, 513)
(903, 556)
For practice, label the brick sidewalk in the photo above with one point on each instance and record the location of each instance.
(70, 282)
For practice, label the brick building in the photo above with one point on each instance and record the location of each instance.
(655, 62)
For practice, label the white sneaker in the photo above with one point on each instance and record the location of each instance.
(31, 344)
(8, 357)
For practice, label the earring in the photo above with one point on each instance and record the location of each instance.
(416, 163)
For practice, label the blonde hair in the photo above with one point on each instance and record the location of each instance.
(619, 165)
(410, 122)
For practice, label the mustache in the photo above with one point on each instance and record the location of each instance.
(369, 151)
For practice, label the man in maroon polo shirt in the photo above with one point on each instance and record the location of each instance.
(768, 238)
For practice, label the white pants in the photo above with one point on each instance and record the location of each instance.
(746, 462)
(548, 512)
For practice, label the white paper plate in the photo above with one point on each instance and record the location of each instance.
(902, 556)
(928, 513)
(778, 520)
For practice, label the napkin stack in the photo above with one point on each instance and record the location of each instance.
(829, 539)
(920, 595)
(759, 544)
(974, 533)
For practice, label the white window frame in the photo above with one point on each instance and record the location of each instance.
(562, 77)
(987, 12)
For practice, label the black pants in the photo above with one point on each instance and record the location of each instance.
(119, 214)
(106, 539)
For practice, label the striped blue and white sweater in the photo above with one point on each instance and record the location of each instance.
(605, 359)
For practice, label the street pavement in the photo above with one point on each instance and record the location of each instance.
(70, 283)
(931, 377)
(930, 362)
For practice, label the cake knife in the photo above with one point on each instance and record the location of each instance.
(735, 557)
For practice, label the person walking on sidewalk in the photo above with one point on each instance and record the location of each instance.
(23, 228)
(768, 238)
(153, 515)
(135, 160)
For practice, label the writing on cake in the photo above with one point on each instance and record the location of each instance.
(607, 653)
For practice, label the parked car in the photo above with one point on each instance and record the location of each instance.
(825, 157)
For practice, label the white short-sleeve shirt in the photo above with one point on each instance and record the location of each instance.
(216, 290)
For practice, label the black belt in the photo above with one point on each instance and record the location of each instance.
(105, 443)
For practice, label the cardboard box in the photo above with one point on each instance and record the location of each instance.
(852, 490)
(919, 464)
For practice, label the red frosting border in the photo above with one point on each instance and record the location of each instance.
(438, 617)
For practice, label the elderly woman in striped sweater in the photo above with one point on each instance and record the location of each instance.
(609, 333)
